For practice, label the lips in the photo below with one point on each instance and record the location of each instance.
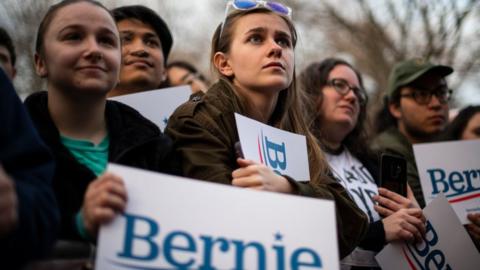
(347, 107)
(92, 67)
(139, 62)
(274, 65)
(437, 118)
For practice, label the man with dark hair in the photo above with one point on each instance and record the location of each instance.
(7, 54)
(146, 43)
(417, 106)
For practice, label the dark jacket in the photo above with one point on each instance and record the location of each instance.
(204, 134)
(28, 162)
(134, 141)
(393, 142)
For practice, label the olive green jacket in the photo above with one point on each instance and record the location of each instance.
(204, 134)
(393, 142)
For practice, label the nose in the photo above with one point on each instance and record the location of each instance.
(137, 48)
(351, 96)
(435, 102)
(93, 51)
(275, 49)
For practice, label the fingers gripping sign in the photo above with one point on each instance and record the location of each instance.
(105, 197)
(258, 176)
(405, 224)
(474, 227)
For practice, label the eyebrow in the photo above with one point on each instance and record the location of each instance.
(79, 26)
(263, 29)
(142, 34)
(151, 35)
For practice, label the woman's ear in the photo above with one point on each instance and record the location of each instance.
(40, 67)
(220, 60)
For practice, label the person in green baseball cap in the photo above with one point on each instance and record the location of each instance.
(415, 111)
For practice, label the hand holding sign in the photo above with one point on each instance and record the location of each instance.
(474, 227)
(445, 244)
(258, 176)
(104, 198)
(224, 230)
(284, 152)
(405, 224)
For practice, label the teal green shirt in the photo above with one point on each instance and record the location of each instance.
(94, 157)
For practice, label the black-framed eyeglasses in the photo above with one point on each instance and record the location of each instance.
(342, 87)
(423, 97)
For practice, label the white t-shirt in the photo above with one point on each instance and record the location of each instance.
(361, 186)
(356, 179)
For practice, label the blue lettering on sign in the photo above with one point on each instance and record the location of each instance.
(276, 155)
(424, 253)
(169, 249)
(454, 183)
(181, 250)
(130, 237)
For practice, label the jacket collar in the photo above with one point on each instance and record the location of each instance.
(127, 128)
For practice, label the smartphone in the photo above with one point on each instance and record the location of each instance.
(393, 173)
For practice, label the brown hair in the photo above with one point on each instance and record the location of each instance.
(50, 15)
(287, 113)
(312, 81)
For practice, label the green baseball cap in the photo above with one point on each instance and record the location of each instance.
(408, 71)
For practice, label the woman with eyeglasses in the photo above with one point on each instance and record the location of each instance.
(336, 105)
(253, 54)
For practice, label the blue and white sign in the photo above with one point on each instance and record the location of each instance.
(177, 223)
(157, 105)
(452, 168)
(282, 151)
(446, 244)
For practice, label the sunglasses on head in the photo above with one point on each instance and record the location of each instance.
(273, 6)
(276, 7)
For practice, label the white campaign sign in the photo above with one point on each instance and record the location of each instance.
(178, 223)
(446, 244)
(452, 168)
(157, 105)
(284, 152)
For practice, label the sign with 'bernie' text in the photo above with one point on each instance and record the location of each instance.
(284, 152)
(446, 244)
(451, 168)
(178, 223)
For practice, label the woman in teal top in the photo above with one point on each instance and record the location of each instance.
(78, 53)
